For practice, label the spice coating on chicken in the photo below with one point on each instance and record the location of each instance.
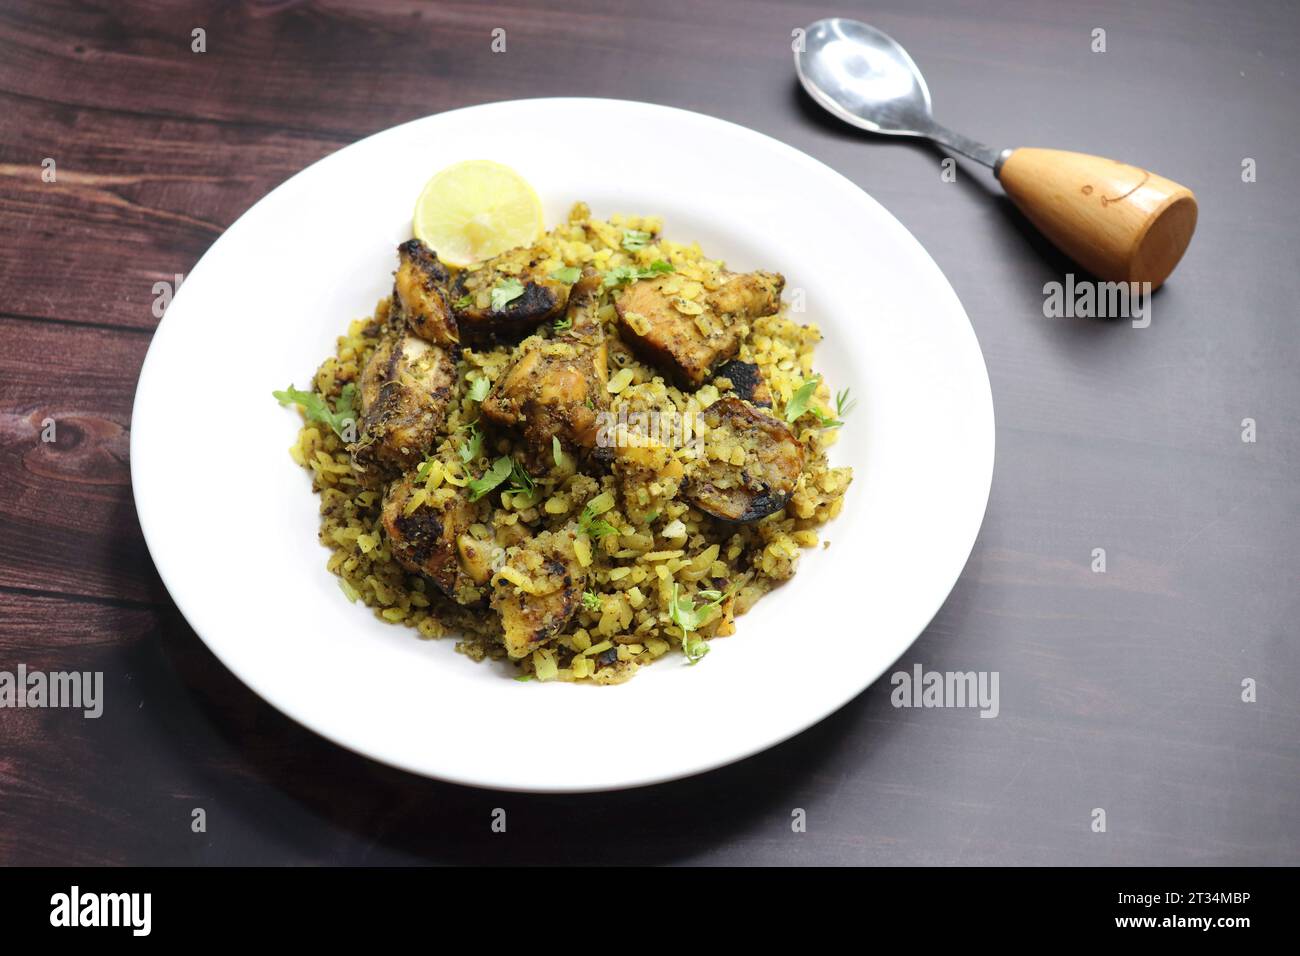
(506, 298)
(432, 537)
(688, 338)
(420, 294)
(405, 391)
(557, 386)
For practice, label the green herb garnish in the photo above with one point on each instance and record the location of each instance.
(523, 678)
(568, 275)
(564, 323)
(593, 526)
(591, 600)
(473, 446)
(499, 472)
(506, 292)
(478, 389)
(464, 301)
(341, 419)
(634, 239)
(798, 403)
(622, 275)
(690, 618)
(520, 481)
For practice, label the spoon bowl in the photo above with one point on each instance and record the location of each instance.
(864, 77)
(1120, 222)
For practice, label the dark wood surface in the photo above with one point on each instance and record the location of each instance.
(1119, 690)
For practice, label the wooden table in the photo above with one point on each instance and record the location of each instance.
(1119, 690)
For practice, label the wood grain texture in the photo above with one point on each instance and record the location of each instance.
(1119, 222)
(1119, 690)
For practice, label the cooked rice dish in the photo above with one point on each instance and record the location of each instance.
(579, 457)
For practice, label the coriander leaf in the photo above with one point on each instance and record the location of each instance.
(567, 275)
(844, 404)
(464, 301)
(473, 446)
(619, 275)
(694, 648)
(499, 472)
(826, 421)
(622, 275)
(478, 389)
(422, 472)
(523, 678)
(798, 403)
(317, 409)
(685, 615)
(634, 239)
(505, 293)
(520, 480)
(591, 600)
(593, 526)
(562, 324)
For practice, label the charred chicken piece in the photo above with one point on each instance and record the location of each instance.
(406, 388)
(420, 294)
(742, 491)
(689, 338)
(556, 388)
(747, 382)
(506, 298)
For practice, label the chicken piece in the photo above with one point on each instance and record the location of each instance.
(649, 476)
(420, 294)
(688, 338)
(433, 539)
(538, 590)
(406, 388)
(746, 381)
(756, 487)
(556, 388)
(540, 298)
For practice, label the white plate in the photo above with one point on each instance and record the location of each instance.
(232, 523)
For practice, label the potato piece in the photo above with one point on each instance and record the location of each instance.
(533, 615)
(763, 483)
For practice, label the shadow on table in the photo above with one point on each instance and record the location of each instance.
(1011, 235)
(253, 756)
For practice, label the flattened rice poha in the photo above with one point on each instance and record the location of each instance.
(580, 456)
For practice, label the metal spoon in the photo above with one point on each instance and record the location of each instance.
(1120, 222)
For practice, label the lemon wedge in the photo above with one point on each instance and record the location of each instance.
(475, 210)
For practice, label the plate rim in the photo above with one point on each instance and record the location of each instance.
(688, 769)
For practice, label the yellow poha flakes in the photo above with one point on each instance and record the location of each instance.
(659, 571)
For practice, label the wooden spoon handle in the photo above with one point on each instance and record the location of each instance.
(1120, 222)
